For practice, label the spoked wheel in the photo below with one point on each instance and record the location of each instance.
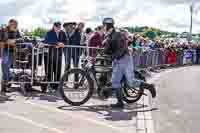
(139, 76)
(25, 84)
(76, 92)
(131, 95)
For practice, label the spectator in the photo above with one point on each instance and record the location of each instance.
(146, 43)
(84, 40)
(74, 53)
(53, 62)
(130, 40)
(68, 30)
(85, 36)
(125, 35)
(173, 56)
(11, 33)
(74, 40)
(95, 41)
(135, 42)
(170, 56)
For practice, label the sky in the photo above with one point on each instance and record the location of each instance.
(171, 15)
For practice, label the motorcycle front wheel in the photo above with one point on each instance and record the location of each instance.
(130, 94)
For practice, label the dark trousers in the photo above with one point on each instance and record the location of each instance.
(198, 59)
(53, 66)
(72, 55)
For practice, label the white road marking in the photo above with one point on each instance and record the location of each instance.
(26, 120)
(80, 117)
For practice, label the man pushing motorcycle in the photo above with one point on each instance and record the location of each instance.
(122, 64)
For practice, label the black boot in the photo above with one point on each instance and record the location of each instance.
(3, 86)
(3, 91)
(3, 96)
(119, 97)
(149, 87)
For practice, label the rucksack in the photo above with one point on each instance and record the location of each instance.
(122, 49)
(124, 40)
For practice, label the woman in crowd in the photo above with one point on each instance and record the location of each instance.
(55, 38)
(84, 41)
(95, 41)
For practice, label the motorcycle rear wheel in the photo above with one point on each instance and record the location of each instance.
(84, 77)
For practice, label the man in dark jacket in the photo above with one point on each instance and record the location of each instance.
(55, 39)
(122, 63)
(9, 36)
(74, 52)
(68, 30)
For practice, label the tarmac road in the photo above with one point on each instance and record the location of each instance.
(178, 102)
(47, 114)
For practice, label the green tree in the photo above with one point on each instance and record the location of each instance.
(150, 34)
(39, 32)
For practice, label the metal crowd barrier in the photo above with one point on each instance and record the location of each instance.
(46, 64)
(161, 57)
(41, 64)
(51, 62)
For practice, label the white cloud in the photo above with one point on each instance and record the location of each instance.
(170, 15)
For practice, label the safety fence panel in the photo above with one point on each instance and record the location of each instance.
(45, 64)
(52, 62)
(149, 58)
(179, 57)
(36, 64)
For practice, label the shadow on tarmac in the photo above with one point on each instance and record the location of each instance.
(31, 94)
(5, 99)
(110, 114)
(50, 96)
